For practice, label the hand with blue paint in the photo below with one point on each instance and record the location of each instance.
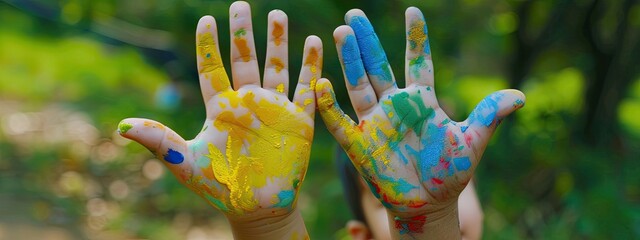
(252, 154)
(414, 158)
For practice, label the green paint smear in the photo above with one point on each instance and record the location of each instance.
(124, 127)
(217, 203)
(240, 32)
(412, 117)
(416, 64)
(296, 182)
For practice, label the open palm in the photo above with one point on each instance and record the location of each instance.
(253, 150)
(414, 158)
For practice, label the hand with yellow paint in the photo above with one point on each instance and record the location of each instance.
(414, 158)
(252, 154)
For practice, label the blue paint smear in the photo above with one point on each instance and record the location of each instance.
(373, 56)
(402, 186)
(427, 46)
(464, 128)
(432, 146)
(351, 59)
(462, 163)
(486, 111)
(286, 198)
(405, 228)
(402, 157)
(173, 157)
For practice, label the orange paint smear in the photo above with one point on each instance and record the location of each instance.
(242, 46)
(279, 65)
(312, 57)
(312, 60)
(277, 33)
(153, 124)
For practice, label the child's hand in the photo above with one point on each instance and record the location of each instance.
(414, 158)
(253, 151)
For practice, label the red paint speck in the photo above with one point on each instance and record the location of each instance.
(467, 139)
(443, 165)
(411, 225)
(361, 125)
(416, 204)
(436, 181)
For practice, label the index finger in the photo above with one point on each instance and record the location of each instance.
(213, 77)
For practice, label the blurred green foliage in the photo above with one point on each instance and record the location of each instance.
(70, 70)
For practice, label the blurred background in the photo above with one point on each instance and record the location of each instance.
(564, 167)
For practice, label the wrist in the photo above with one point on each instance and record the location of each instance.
(269, 226)
(440, 224)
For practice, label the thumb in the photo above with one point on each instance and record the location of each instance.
(166, 144)
(483, 120)
(339, 124)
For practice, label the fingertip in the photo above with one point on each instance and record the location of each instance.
(321, 85)
(516, 93)
(341, 32)
(238, 5)
(239, 10)
(278, 16)
(206, 18)
(143, 131)
(324, 93)
(124, 126)
(313, 40)
(518, 97)
(206, 23)
(348, 17)
(413, 11)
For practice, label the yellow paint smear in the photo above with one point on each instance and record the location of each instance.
(266, 143)
(243, 48)
(280, 88)
(234, 101)
(417, 35)
(307, 101)
(277, 33)
(211, 65)
(367, 144)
